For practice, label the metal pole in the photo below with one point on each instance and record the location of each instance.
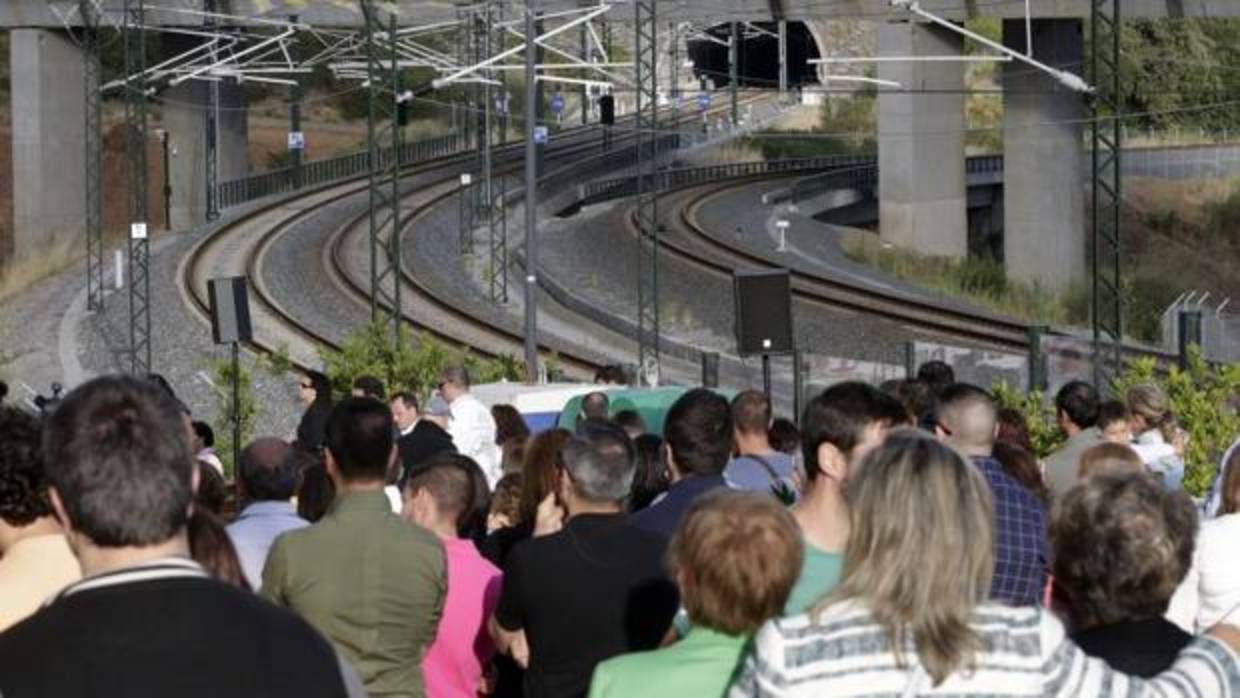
(646, 119)
(167, 188)
(212, 116)
(798, 385)
(294, 118)
(236, 405)
(783, 58)
(139, 248)
(766, 375)
(531, 198)
(734, 50)
(585, 94)
(93, 156)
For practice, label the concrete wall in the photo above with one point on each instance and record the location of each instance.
(185, 117)
(48, 110)
(921, 143)
(1044, 159)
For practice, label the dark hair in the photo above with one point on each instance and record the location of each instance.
(1112, 411)
(210, 546)
(117, 455)
(595, 405)
(1013, 428)
(630, 419)
(268, 470)
(936, 374)
(751, 412)
(509, 424)
(839, 416)
(4, 390)
(784, 436)
(360, 434)
(23, 483)
(610, 374)
(205, 434)
(162, 383)
(212, 492)
(322, 386)
(650, 475)
(370, 387)
(315, 491)
(698, 431)
(1023, 466)
(538, 470)
(1078, 401)
(916, 396)
(1122, 545)
(466, 489)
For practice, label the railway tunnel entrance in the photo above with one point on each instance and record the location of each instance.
(758, 57)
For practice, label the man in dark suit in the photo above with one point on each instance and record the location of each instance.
(418, 438)
(146, 620)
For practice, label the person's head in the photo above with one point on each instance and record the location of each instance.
(1076, 407)
(920, 552)
(751, 416)
(212, 491)
(471, 522)
(369, 386)
(1231, 484)
(439, 498)
(966, 418)
(314, 387)
(204, 436)
(1113, 422)
(735, 557)
(1014, 428)
(938, 375)
(1023, 466)
(595, 406)
(840, 426)
(631, 422)
(404, 409)
(698, 433)
(505, 503)
(315, 491)
(784, 436)
(23, 483)
(119, 465)
(1149, 407)
(509, 424)
(4, 391)
(610, 375)
(360, 443)
(538, 472)
(268, 471)
(453, 382)
(650, 474)
(1122, 544)
(1108, 458)
(916, 396)
(596, 469)
(211, 547)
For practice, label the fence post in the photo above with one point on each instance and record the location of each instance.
(710, 369)
(1188, 334)
(1037, 359)
(910, 360)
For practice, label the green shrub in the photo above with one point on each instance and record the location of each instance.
(1039, 415)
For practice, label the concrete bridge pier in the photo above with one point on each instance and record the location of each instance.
(1044, 158)
(922, 192)
(185, 116)
(48, 104)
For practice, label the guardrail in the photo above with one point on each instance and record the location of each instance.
(239, 191)
(863, 175)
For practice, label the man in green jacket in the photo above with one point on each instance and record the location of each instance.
(370, 581)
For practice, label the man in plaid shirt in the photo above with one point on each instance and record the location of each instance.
(965, 418)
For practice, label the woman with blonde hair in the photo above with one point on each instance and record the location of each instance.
(910, 616)
(1157, 436)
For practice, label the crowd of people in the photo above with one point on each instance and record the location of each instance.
(901, 540)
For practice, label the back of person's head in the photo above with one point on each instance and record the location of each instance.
(751, 412)
(1023, 467)
(599, 461)
(322, 386)
(840, 417)
(1151, 404)
(118, 458)
(920, 551)
(631, 421)
(698, 432)
(472, 522)
(968, 417)
(369, 386)
(736, 557)
(205, 434)
(595, 406)
(1112, 413)
(916, 396)
(538, 472)
(1231, 484)
(315, 490)
(650, 475)
(610, 375)
(449, 487)
(505, 508)
(211, 547)
(212, 492)
(23, 482)
(784, 436)
(509, 424)
(1106, 458)
(1078, 402)
(268, 470)
(1122, 545)
(455, 375)
(936, 374)
(360, 438)
(1013, 428)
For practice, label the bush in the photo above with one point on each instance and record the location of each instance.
(1039, 415)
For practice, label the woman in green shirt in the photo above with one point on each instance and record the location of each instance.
(735, 557)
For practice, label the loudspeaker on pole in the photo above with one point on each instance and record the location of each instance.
(230, 310)
(763, 312)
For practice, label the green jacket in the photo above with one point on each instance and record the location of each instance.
(701, 665)
(371, 582)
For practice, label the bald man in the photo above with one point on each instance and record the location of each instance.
(266, 482)
(966, 419)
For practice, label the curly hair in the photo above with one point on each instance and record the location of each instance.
(23, 485)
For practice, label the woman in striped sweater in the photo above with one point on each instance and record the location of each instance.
(911, 617)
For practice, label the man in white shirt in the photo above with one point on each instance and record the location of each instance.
(472, 427)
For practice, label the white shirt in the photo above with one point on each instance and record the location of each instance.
(1152, 447)
(1210, 594)
(473, 433)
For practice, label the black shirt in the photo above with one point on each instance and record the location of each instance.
(165, 630)
(1144, 648)
(425, 440)
(592, 591)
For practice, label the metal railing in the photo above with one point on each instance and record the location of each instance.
(863, 176)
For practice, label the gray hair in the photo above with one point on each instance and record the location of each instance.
(601, 462)
(456, 375)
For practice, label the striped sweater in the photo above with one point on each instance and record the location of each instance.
(846, 655)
